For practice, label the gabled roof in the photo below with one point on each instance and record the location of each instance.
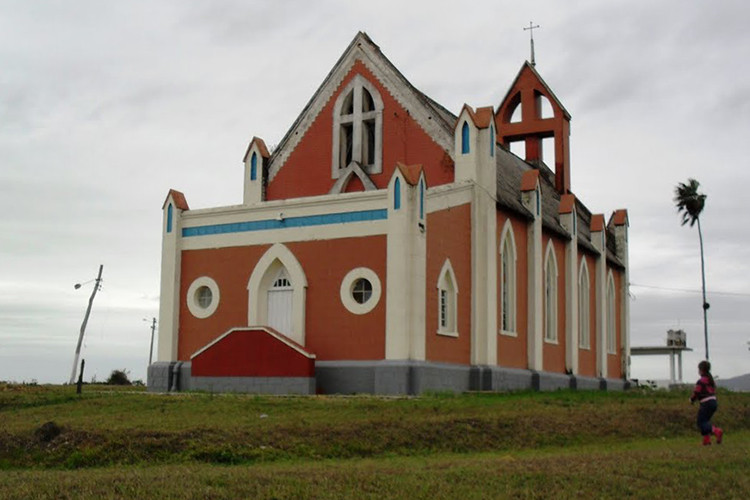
(178, 198)
(482, 117)
(261, 147)
(411, 173)
(437, 121)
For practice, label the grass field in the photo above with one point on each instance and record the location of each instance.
(129, 444)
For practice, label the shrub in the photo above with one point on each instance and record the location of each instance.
(118, 377)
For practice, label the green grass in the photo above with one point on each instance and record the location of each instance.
(125, 443)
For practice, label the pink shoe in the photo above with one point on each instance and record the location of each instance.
(718, 433)
(707, 440)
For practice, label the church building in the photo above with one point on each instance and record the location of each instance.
(390, 246)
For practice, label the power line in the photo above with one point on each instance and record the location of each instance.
(689, 290)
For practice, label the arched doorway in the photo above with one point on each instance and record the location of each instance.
(280, 301)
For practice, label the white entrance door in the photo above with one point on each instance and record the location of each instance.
(280, 304)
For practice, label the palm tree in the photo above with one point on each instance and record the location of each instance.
(690, 204)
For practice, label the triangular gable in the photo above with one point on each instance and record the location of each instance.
(482, 117)
(411, 173)
(261, 147)
(527, 67)
(178, 198)
(432, 118)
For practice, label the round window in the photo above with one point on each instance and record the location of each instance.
(204, 297)
(362, 290)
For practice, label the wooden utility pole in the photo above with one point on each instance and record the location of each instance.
(83, 325)
(151, 351)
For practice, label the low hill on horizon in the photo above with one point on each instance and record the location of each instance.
(739, 383)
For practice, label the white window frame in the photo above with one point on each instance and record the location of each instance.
(357, 119)
(508, 251)
(584, 306)
(550, 291)
(347, 287)
(192, 300)
(447, 283)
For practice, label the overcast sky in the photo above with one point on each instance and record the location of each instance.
(106, 105)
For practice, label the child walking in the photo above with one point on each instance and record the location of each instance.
(705, 393)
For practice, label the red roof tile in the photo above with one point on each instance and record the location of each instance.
(597, 222)
(529, 180)
(620, 217)
(410, 172)
(178, 198)
(567, 203)
(261, 147)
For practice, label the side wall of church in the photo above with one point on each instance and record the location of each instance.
(587, 356)
(511, 350)
(554, 351)
(449, 237)
(614, 361)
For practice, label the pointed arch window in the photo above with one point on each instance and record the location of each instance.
(584, 307)
(508, 281)
(447, 301)
(254, 166)
(397, 194)
(421, 199)
(611, 318)
(492, 140)
(550, 295)
(357, 127)
(465, 138)
(169, 218)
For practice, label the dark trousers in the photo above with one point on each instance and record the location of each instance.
(705, 412)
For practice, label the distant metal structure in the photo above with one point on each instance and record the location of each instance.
(531, 29)
(676, 345)
(85, 320)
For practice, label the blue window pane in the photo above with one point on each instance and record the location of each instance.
(465, 138)
(254, 167)
(397, 195)
(169, 218)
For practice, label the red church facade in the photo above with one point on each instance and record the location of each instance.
(389, 246)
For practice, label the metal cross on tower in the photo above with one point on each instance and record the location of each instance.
(531, 29)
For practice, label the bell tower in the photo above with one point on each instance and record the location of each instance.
(528, 92)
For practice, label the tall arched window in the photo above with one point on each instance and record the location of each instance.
(421, 198)
(169, 218)
(357, 127)
(492, 140)
(465, 138)
(397, 194)
(584, 307)
(550, 295)
(447, 301)
(507, 280)
(611, 318)
(254, 167)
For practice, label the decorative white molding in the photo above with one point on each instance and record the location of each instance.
(347, 285)
(261, 280)
(447, 271)
(507, 233)
(191, 299)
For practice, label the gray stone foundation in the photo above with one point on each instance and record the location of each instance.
(378, 377)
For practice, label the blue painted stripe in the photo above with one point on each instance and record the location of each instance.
(304, 221)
